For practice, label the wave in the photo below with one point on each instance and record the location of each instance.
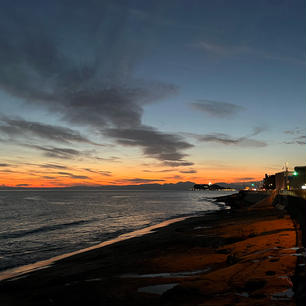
(48, 228)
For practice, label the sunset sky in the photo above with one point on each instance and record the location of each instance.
(130, 92)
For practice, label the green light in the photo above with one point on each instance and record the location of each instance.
(295, 173)
(253, 185)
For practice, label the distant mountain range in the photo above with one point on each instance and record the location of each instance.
(177, 186)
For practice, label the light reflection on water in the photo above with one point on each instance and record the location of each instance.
(37, 225)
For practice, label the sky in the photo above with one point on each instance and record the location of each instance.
(125, 92)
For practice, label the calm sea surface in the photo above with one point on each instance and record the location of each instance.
(37, 225)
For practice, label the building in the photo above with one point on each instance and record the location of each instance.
(269, 182)
(283, 180)
(286, 180)
(299, 177)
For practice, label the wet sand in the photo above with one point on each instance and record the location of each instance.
(247, 256)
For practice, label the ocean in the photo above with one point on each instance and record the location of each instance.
(39, 224)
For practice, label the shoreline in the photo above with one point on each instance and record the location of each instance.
(20, 271)
(231, 257)
(17, 252)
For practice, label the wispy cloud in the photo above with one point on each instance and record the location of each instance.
(228, 140)
(299, 140)
(53, 166)
(21, 128)
(177, 163)
(225, 139)
(159, 171)
(297, 136)
(56, 152)
(73, 176)
(295, 131)
(216, 108)
(226, 50)
(139, 181)
(175, 177)
(189, 171)
(101, 172)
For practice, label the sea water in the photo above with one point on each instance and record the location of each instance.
(40, 224)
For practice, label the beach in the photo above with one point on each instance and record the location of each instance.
(251, 255)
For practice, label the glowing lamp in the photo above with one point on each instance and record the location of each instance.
(295, 173)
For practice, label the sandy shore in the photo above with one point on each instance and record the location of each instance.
(247, 256)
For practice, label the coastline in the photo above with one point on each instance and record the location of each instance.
(240, 257)
(20, 271)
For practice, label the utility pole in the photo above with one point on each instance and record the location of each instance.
(286, 176)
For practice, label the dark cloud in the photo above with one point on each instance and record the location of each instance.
(295, 131)
(75, 81)
(246, 178)
(162, 146)
(22, 185)
(4, 165)
(189, 171)
(114, 159)
(175, 177)
(22, 128)
(297, 136)
(55, 152)
(300, 140)
(227, 50)
(53, 166)
(228, 140)
(139, 181)
(217, 109)
(244, 141)
(177, 163)
(73, 176)
(104, 173)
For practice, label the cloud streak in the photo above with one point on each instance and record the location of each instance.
(297, 135)
(73, 176)
(188, 171)
(53, 166)
(177, 163)
(100, 172)
(225, 139)
(139, 181)
(224, 50)
(217, 109)
(56, 152)
(299, 140)
(22, 128)
(161, 146)
(228, 140)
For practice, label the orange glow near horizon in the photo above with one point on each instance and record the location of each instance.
(24, 177)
